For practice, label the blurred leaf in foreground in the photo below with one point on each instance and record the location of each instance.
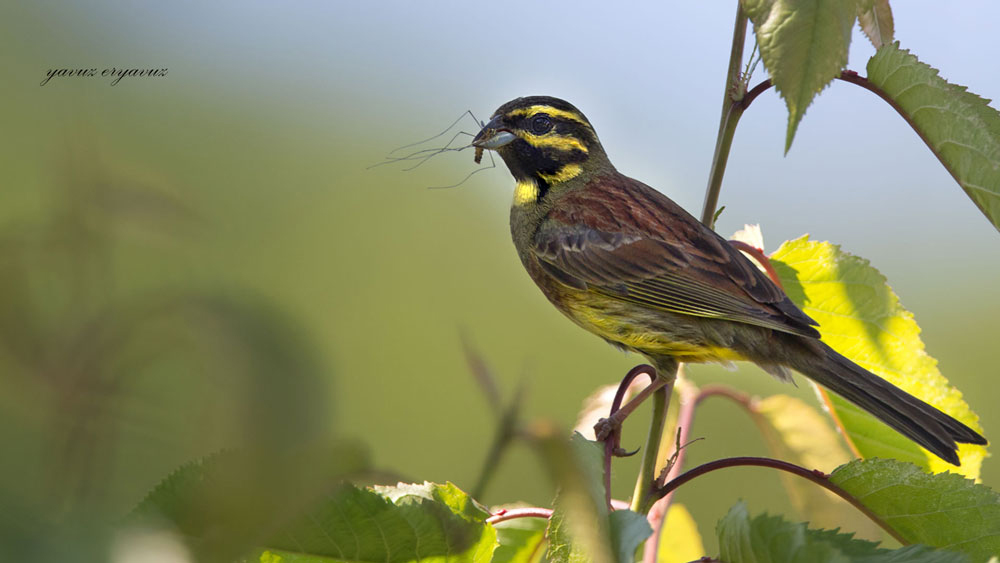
(232, 501)
(943, 510)
(959, 126)
(771, 538)
(797, 432)
(861, 317)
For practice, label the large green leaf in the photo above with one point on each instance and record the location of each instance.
(766, 538)
(959, 126)
(428, 522)
(803, 44)
(861, 317)
(942, 510)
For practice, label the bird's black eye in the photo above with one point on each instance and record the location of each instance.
(541, 124)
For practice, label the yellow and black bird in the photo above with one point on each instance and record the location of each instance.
(625, 262)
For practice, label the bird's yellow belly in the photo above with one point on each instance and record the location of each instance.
(652, 333)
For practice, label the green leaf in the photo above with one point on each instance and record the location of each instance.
(770, 538)
(427, 522)
(680, 541)
(943, 510)
(875, 17)
(861, 317)
(959, 126)
(803, 44)
(628, 530)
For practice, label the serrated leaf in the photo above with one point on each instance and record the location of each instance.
(797, 432)
(943, 510)
(409, 522)
(861, 317)
(959, 126)
(766, 538)
(803, 44)
(875, 18)
(680, 541)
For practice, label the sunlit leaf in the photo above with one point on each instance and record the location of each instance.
(803, 44)
(943, 510)
(766, 538)
(875, 17)
(959, 126)
(680, 541)
(861, 317)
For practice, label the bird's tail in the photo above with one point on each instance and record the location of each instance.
(905, 413)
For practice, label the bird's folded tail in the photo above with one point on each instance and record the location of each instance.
(911, 417)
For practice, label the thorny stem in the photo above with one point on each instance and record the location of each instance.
(815, 476)
(732, 109)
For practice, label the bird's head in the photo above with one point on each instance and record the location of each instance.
(545, 142)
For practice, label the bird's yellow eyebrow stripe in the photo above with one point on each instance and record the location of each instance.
(561, 142)
(554, 112)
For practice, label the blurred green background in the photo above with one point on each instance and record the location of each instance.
(204, 261)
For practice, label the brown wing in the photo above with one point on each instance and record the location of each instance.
(626, 240)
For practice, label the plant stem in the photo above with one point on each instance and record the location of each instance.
(817, 477)
(642, 497)
(731, 112)
(519, 513)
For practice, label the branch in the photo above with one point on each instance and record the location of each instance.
(815, 476)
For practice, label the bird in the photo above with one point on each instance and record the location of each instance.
(623, 261)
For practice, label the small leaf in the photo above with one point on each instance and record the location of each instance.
(628, 530)
(959, 126)
(770, 538)
(943, 510)
(875, 17)
(680, 541)
(803, 44)
(861, 317)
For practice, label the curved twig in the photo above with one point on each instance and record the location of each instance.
(816, 476)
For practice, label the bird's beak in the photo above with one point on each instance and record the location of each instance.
(493, 135)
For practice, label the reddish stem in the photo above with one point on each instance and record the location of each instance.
(815, 476)
(612, 442)
(512, 513)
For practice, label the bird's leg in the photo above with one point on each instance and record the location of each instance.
(608, 430)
